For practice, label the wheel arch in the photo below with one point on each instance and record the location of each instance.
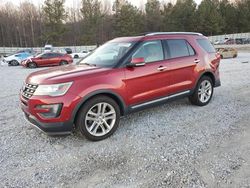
(206, 73)
(9, 62)
(117, 98)
(32, 61)
(64, 60)
(209, 74)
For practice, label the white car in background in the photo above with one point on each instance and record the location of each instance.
(16, 59)
(48, 48)
(81, 54)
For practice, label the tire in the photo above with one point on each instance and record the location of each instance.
(221, 56)
(76, 56)
(235, 56)
(14, 63)
(203, 92)
(32, 65)
(63, 63)
(90, 123)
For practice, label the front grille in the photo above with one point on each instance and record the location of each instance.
(28, 90)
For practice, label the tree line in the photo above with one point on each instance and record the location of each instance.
(96, 21)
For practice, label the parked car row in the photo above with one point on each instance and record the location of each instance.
(232, 41)
(29, 58)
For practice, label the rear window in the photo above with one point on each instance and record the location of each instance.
(206, 45)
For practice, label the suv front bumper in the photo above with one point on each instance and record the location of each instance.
(60, 128)
(59, 125)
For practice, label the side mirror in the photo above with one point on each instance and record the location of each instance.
(137, 62)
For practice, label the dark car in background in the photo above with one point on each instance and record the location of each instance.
(230, 41)
(48, 59)
(68, 50)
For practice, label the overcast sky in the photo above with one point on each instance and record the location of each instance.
(75, 3)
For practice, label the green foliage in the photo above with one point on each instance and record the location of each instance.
(181, 16)
(95, 21)
(228, 12)
(128, 20)
(54, 16)
(209, 20)
(243, 16)
(153, 15)
(92, 18)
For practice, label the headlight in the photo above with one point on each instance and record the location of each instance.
(53, 89)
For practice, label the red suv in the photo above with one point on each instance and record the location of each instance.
(47, 59)
(122, 76)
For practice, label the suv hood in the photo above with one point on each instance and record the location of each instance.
(62, 74)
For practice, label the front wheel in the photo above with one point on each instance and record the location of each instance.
(63, 63)
(14, 63)
(203, 92)
(98, 118)
(32, 65)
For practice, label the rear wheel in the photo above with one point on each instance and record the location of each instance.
(63, 63)
(32, 65)
(98, 118)
(203, 92)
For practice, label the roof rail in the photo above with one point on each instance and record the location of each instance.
(172, 33)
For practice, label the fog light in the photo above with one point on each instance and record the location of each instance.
(50, 110)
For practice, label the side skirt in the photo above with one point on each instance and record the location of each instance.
(158, 101)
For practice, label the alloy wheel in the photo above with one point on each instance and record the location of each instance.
(100, 119)
(205, 91)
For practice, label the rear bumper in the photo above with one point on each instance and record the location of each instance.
(60, 128)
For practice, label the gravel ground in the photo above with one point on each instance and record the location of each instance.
(174, 145)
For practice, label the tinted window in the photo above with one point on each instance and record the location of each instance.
(177, 48)
(190, 49)
(52, 55)
(57, 55)
(151, 51)
(45, 55)
(206, 45)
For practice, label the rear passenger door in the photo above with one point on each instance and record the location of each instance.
(182, 60)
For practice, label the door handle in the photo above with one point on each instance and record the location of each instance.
(161, 68)
(197, 61)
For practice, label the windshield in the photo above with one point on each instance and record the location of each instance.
(108, 54)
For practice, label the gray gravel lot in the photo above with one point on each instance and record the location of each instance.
(173, 145)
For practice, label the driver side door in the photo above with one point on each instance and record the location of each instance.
(43, 60)
(148, 82)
